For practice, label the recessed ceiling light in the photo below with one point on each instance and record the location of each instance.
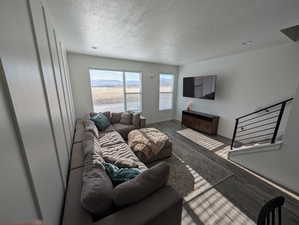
(94, 47)
(247, 43)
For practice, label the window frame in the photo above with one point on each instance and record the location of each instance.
(124, 85)
(166, 92)
(134, 93)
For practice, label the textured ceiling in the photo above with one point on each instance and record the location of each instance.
(172, 31)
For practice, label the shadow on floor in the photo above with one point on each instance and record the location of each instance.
(222, 193)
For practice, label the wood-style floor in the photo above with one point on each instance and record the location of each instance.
(235, 200)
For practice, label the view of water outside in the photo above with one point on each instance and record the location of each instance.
(108, 90)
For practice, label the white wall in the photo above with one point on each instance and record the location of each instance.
(244, 82)
(280, 165)
(16, 193)
(79, 72)
(36, 113)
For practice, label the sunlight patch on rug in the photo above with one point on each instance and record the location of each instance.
(200, 139)
(212, 208)
(205, 205)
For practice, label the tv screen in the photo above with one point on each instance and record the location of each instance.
(203, 87)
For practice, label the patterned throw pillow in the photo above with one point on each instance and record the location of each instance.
(120, 175)
(101, 121)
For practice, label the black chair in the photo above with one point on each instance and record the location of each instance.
(268, 212)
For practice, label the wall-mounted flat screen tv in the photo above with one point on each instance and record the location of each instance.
(203, 87)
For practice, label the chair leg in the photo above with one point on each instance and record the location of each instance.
(279, 216)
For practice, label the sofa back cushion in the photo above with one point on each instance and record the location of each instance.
(141, 186)
(101, 121)
(97, 190)
(96, 194)
(115, 117)
(126, 118)
(91, 145)
(136, 120)
(90, 126)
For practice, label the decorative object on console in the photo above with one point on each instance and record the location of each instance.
(189, 106)
(202, 122)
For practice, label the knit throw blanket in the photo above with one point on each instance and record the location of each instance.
(149, 141)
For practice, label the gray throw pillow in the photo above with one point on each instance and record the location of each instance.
(136, 120)
(126, 118)
(115, 117)
(141, 186)
(97, 191)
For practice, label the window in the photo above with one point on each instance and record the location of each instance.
(166, 91)
(115, 91)
(133, 91)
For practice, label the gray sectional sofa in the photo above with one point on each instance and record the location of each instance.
(163, 206)
(116, 125)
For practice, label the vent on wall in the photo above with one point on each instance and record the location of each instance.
(291, 32)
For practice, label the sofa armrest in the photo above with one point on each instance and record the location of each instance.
(164, 206)
(142, 122)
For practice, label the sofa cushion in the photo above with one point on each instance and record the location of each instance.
(95, 159)
(101, 121)
(77, 155)
(110, 138)
(121, 162)
(90, 146)
(79, 132)
(109, 128)
(141, 186)
(136, 120)
(126, 118)
(88, 135)
(123, 129)
(73, 213)
(121, 150)
(120, 175)
(97, 189)
(90, 126)
(115, 117)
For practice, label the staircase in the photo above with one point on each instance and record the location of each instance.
(259, 128)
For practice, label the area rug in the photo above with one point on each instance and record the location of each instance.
(192, 174)
(200, 139)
